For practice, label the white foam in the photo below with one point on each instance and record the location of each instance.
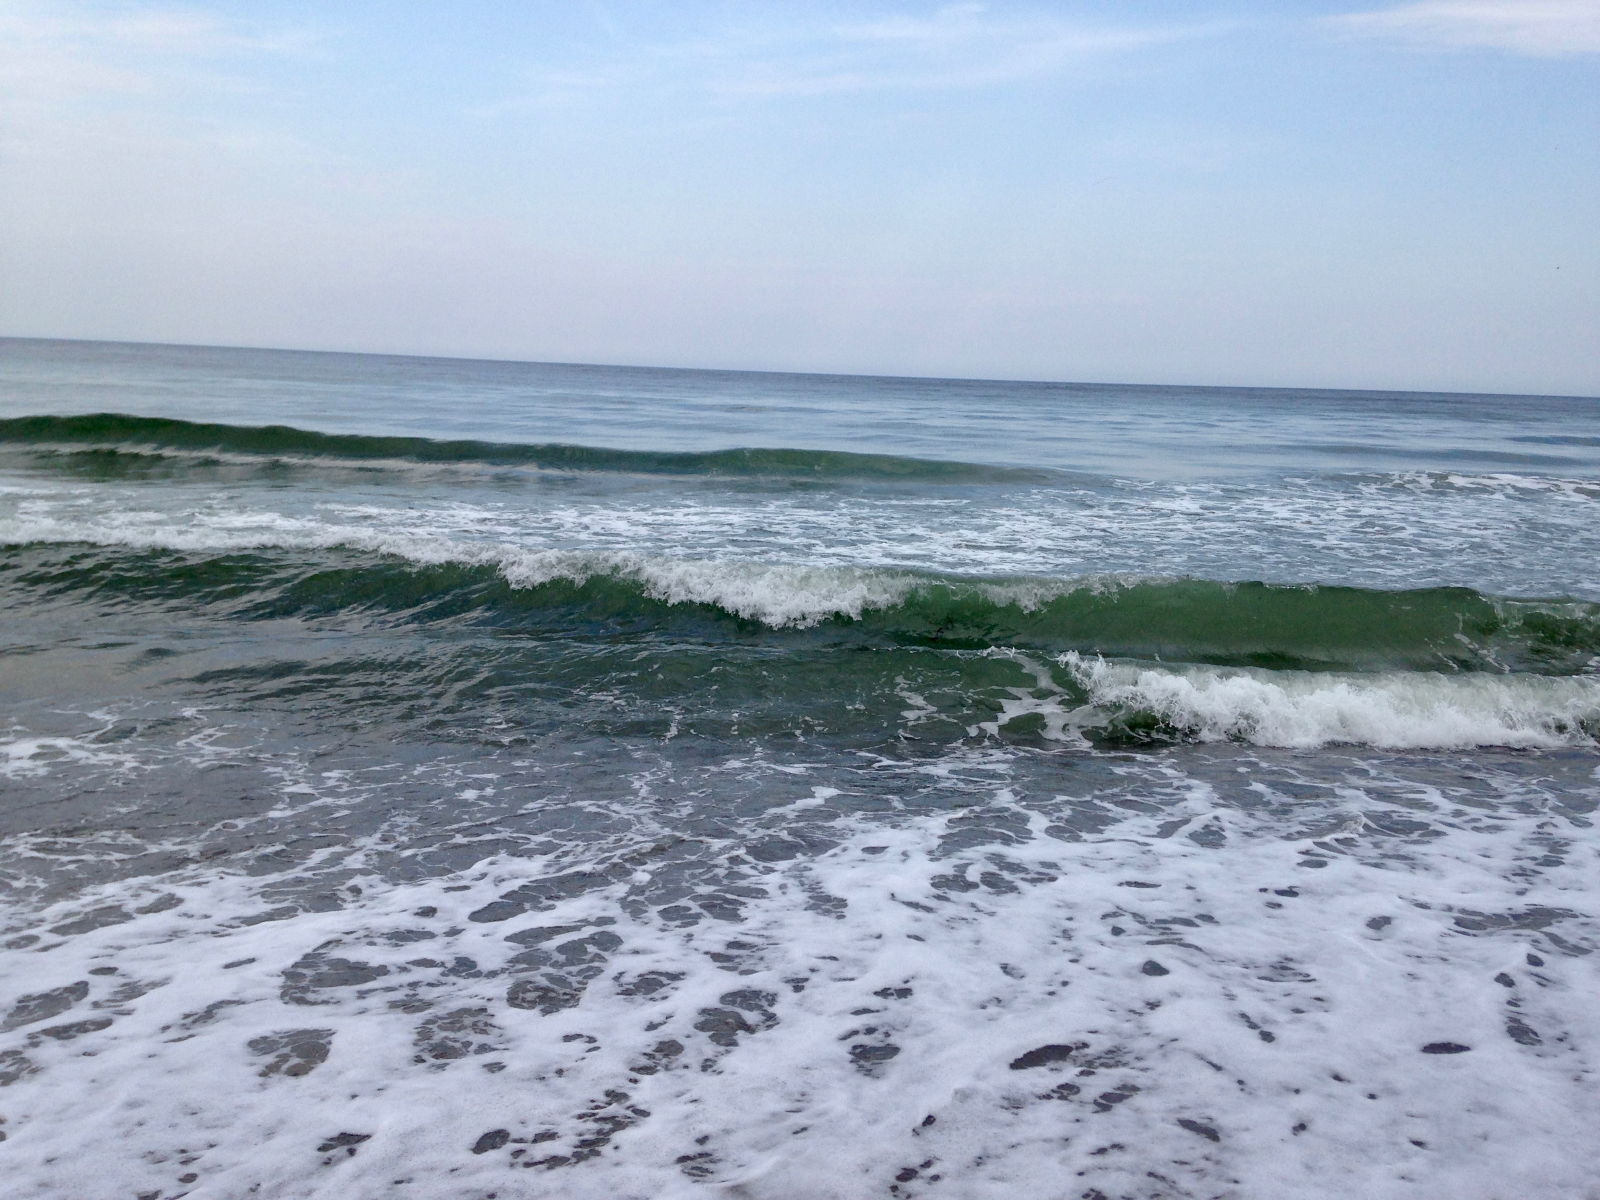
(775, 593)
(1504, 482)
(1228, 1019)
(1306, 709)
(24, 755)
(1377, 531)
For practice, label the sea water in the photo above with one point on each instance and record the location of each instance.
(433, 778)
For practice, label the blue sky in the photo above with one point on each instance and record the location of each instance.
(1295, 194)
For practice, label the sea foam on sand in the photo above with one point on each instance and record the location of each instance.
(1384, 993)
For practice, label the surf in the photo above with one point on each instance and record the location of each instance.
(301, 573)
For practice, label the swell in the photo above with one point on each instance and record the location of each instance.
(617, 594)
(98, 439)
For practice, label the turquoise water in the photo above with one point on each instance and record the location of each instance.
(432, 777)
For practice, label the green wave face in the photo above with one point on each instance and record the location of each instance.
(1175, 621)
(97, 441)
(1264, 625)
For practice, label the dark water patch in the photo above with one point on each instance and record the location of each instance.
(1558, 440)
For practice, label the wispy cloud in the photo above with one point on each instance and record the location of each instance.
(953, 47)
(1543, 28)
(55, 53)
(961, 46)
(171, 32)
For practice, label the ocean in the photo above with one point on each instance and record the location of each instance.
(449, 779)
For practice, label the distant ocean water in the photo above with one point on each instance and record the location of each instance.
(444, 779)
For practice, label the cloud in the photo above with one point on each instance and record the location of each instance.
(958, 47)
(953, 47)
(50, 54)
(1540, 28)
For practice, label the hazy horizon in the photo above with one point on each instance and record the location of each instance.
(713, 369)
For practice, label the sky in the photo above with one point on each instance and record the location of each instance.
(1280, 194)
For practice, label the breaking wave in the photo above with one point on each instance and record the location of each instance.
(251, 574)
(1402, 710)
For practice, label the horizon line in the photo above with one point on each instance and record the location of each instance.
(540, 362)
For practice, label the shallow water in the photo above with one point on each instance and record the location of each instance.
(991, 789)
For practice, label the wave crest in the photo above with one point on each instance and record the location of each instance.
(104, 436)
(1297, 710)
(315, 570)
